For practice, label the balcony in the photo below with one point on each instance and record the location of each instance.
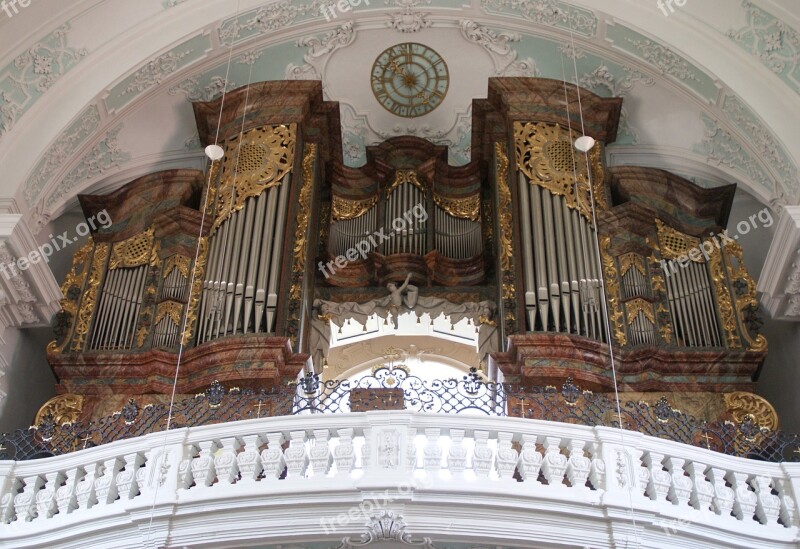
(397, 478)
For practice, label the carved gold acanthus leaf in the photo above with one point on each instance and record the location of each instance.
(724, 300)
(254, 161)
(638, 306)
(304, 208)
(76, 277)
(674, 243)
(180, 262)
(747, 297)
(344, 209)
(132, 252)
(547, 157)
(629, 260)
(169, 309)
(402, 177)
(744, 404)
(504, 207)
(612, 287)
(195, 291)
(89, 296)
(462, 208)
(64, 409)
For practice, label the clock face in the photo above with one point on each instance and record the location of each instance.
(410, 79)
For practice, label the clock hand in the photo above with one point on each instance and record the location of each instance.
(397, 69)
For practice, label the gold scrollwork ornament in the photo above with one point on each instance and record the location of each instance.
(462, 208)
(133, 252)
(612, 288)
(546, 155)
(63, 408)
(89, 296)
(742, 404)
(344, 209)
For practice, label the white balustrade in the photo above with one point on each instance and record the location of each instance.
(521, 463)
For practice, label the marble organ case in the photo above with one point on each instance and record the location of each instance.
(514, 227)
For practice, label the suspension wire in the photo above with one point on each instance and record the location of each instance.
(598, 258)
(191, 281)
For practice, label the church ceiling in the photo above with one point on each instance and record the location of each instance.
(100, 93)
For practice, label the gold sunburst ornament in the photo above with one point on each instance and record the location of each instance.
(410, 79)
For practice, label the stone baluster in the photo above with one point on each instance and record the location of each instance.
(578, 465)
(225, 462)
(745, 500)
(345, 453)
(482, 455)
(46, 496)
(788, 507)
(272, 456)
(702, 490)
(248, 460)
(457, 454)
(185, 473)
(681, 488)
(411, 449)
(660, 481)
(296, 455)
(432, 452)
(7, 501)
(507, 456)
(597, 471)
(530, 460)
(25, 503)
(554, 463)
(203, 471)
(768, 505)
(723, 495)
(66, 497)
(84, 491)
(127, 487)
(320, 454)
(105, 487)
(366, 450)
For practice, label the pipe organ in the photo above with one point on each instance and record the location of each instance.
(228, 263)
(689, 290)
(401, 219)
(559, 251)
(241, 281)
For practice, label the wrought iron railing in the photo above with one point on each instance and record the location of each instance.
(471, 394)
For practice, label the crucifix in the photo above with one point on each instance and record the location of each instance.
(707, 437)
(259, 406)
(522, 408)
(85, 441)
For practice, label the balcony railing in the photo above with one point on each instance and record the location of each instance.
(492, 479)
(469, 395)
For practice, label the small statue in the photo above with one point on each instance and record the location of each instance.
(407, 293)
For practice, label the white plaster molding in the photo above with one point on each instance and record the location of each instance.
(779, 284)
(32, 296)
(319, 52)
(496, 45)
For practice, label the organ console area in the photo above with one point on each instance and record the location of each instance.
(228, 263)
